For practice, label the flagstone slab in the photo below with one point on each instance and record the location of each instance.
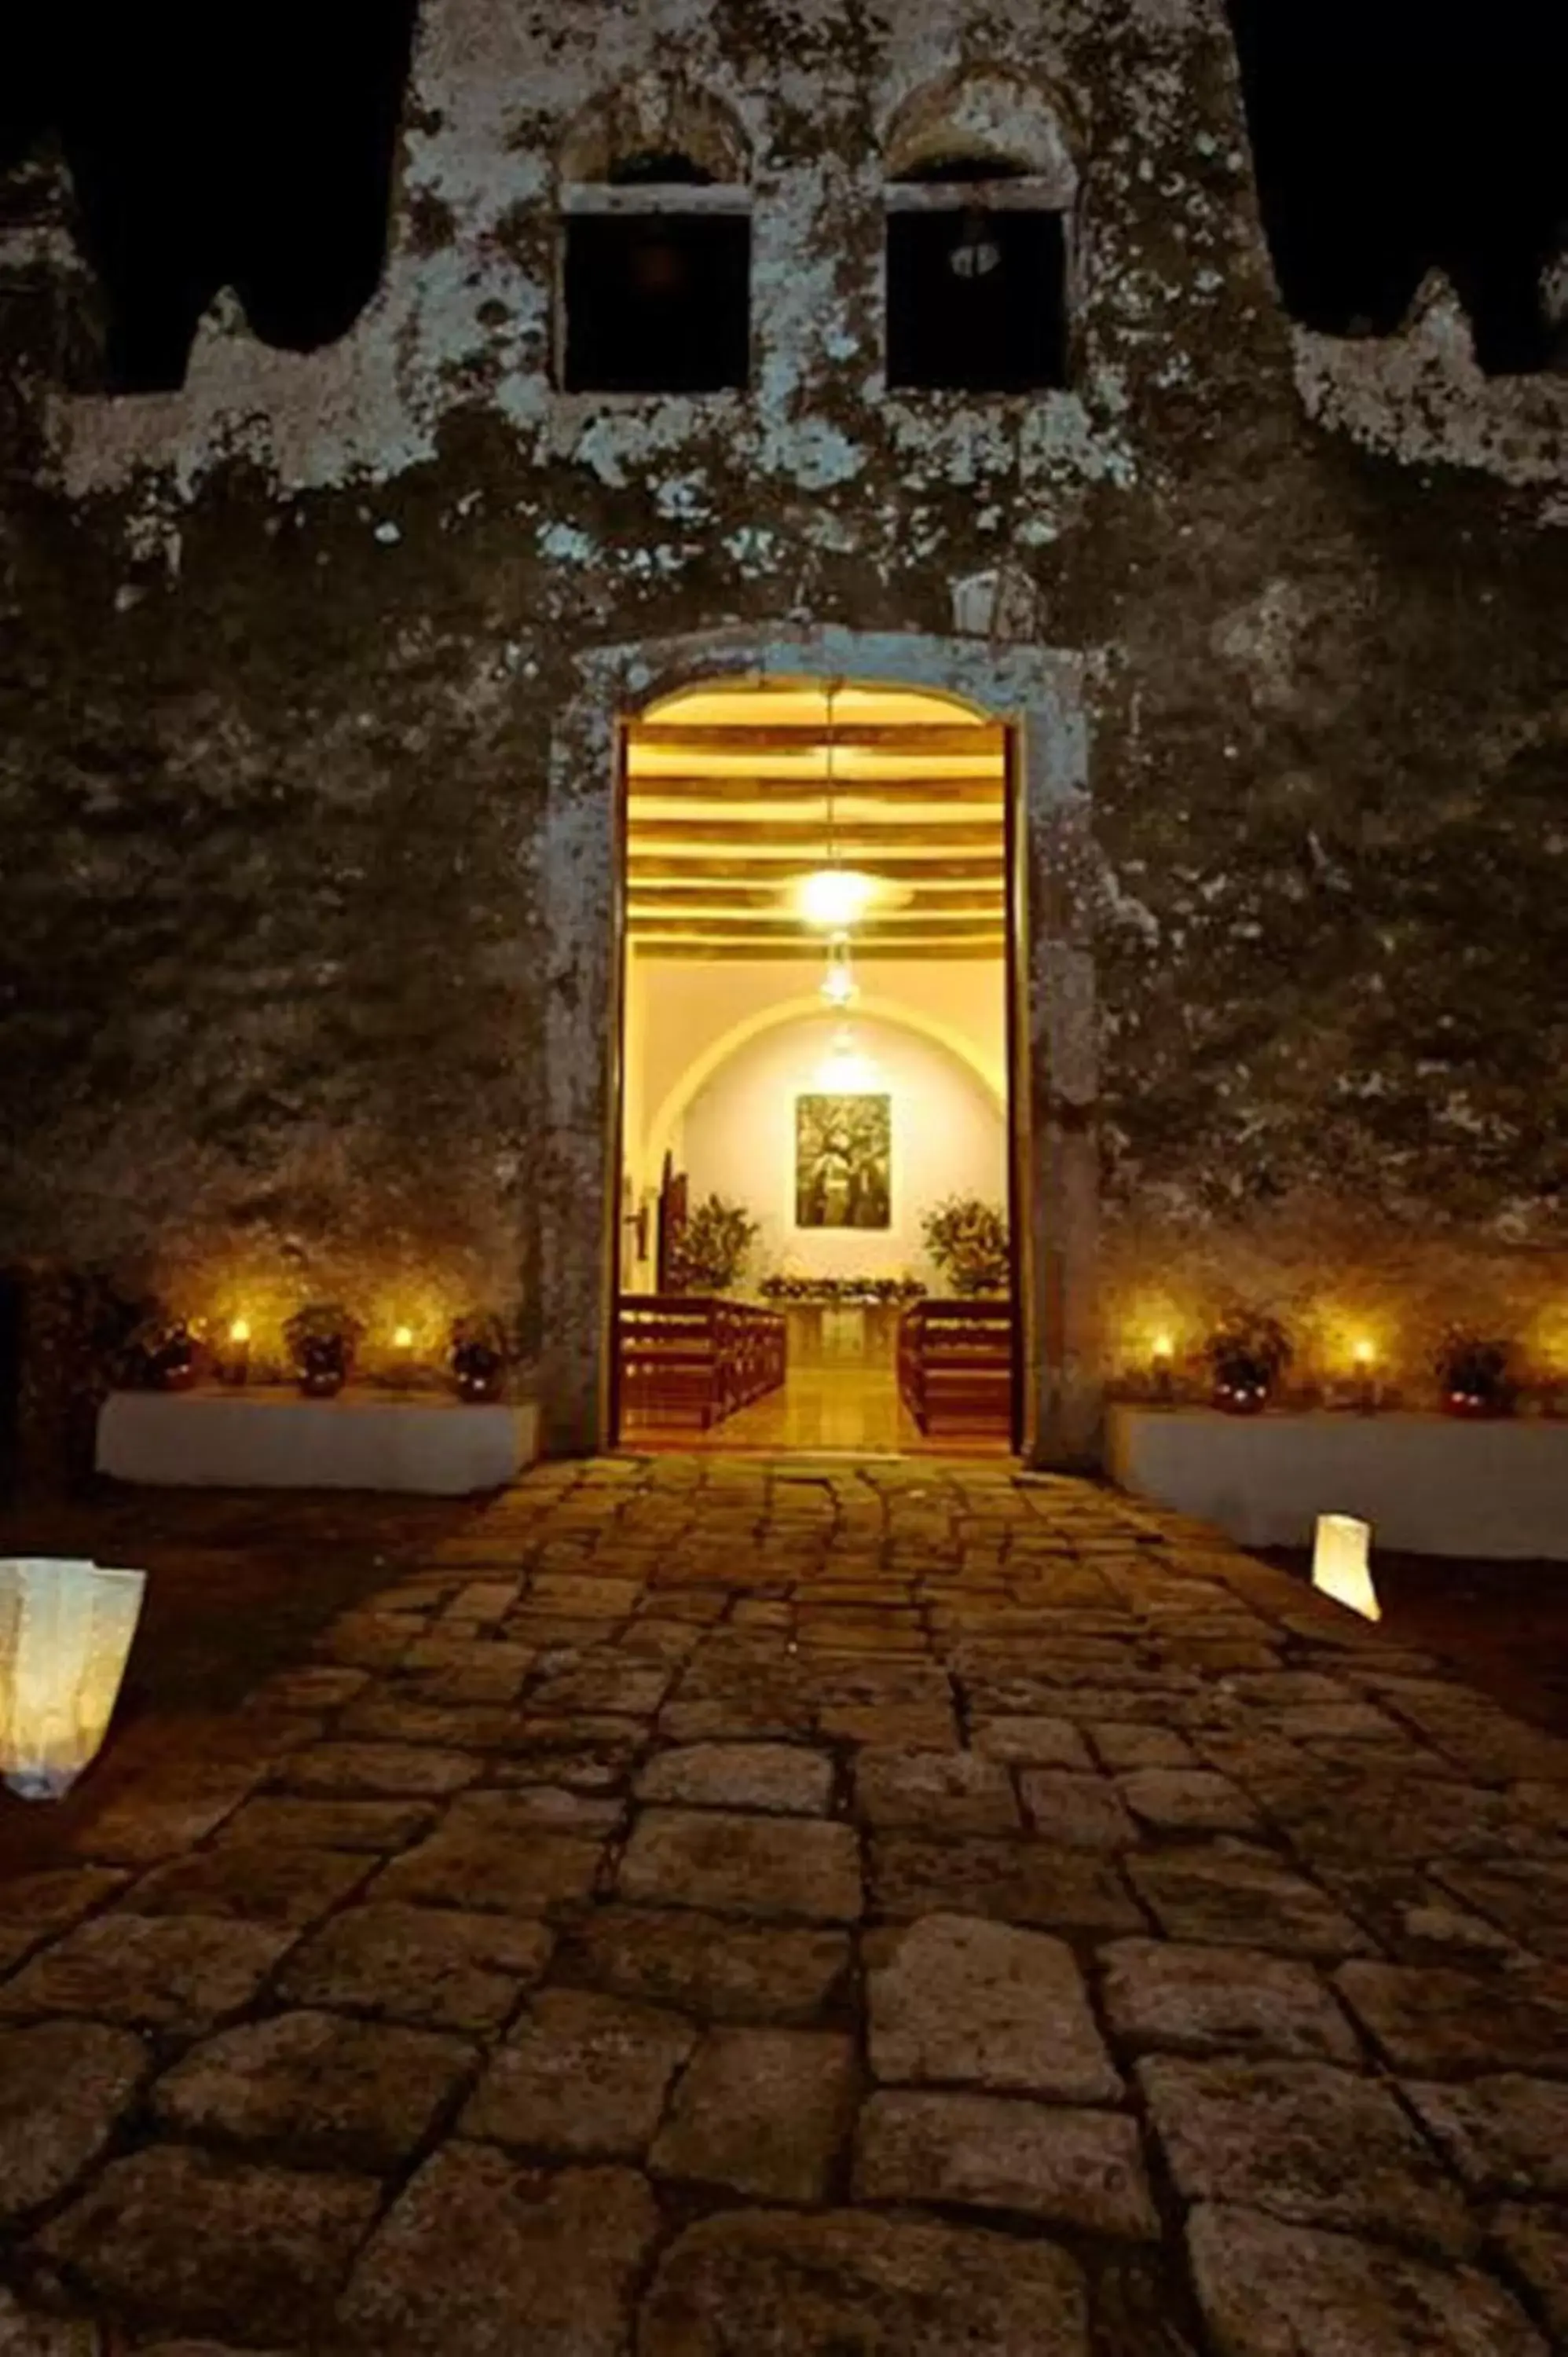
(1268, 2289)
(429, 1967)
(1063, 2166)
(283, 1822)
(179, 1973)
(208, 2243)
(1198, 2000)
(410, 1768)
(253, 1882)
(581, 2074)
(935, 1791)
(761, 2112)
(774, 2285)
(713, 1967)
(801, 1869)
(329, 2091)
(1027, 1882)
(1312, 2145)
(513, 1869)
(1241, 1900)
(1438, 2022)
(64, 2088)
(483, 2256)
(968, 2001)
(788, 1778)
(1534, 2241)
(1503, 2134)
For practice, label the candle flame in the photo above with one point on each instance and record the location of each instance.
(404, 1337)
(240, 1331)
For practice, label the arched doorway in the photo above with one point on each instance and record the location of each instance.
(820, 1164)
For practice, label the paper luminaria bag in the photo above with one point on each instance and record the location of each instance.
(65, 1635)
(1340, 1568)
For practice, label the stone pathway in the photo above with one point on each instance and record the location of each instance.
(720, 1910)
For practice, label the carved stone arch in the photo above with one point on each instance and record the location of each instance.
(994, 115)
(655, 115)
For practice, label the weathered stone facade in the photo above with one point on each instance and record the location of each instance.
(309, 672)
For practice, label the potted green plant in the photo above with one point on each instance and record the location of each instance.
(967, 1238)
(479, 1354)
(1247, 1354)
(1474, 1376)
(712, 1249)
(321, 1340)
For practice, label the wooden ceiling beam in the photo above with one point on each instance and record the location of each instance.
(795, 835)
(992, 947)
(900, 736)
(703, 865)
(986, 793)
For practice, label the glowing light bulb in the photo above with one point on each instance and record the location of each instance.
(240, 1331)
(835, 897)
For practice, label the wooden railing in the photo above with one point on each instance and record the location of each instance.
(955, 1366)
(694, 1359)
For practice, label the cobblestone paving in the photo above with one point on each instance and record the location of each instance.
(715, 1911)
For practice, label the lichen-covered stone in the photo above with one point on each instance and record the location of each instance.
(738, 1865)
(761, 2112)
(1272, 2290)
(1069, 2168)
(962, 2000)
(214, 2245)
(479, 2248)
(64, 2087)
(580, 2074)
(431, 1966)
(795, 2287)
(332, 2092)
(1315, 2146)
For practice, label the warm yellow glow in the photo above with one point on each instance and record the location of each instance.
(404, 1337)
(1340, 1569)
(240, 1331)
(65, 1631)
(1366, 1353)
(844, 1069)
(1164, 1348)
(838, 986)
(835, 897)
(804, 704)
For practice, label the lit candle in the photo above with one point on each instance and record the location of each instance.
(233, 1360)
(1165, 1354)
(1366, 1359)
(403, 1338)
(402, 1355)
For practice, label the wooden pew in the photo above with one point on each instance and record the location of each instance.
(694, 1358)
(955, 1366)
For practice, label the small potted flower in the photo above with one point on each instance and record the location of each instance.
(1247, 1354)
(321, 1340)
(1474, 1376)
(479, 1354)
(160, 1354)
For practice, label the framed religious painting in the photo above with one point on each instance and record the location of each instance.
(843, 1161)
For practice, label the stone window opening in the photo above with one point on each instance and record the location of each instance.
(655, 280)
(977, 259)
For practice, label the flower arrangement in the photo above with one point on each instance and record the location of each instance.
(842, 1291)
(159, 1352)
(711, 1250)
(1474, 1376)
(322, 1339)
(968, 1240)
(1247, 1354)
(479, 1354)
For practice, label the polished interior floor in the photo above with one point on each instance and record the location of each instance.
(852, 1407)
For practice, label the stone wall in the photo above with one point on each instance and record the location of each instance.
(306, 982)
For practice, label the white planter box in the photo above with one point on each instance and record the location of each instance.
(1428, 1484)
(265, 1439)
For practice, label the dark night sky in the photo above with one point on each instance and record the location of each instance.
(252, 145)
